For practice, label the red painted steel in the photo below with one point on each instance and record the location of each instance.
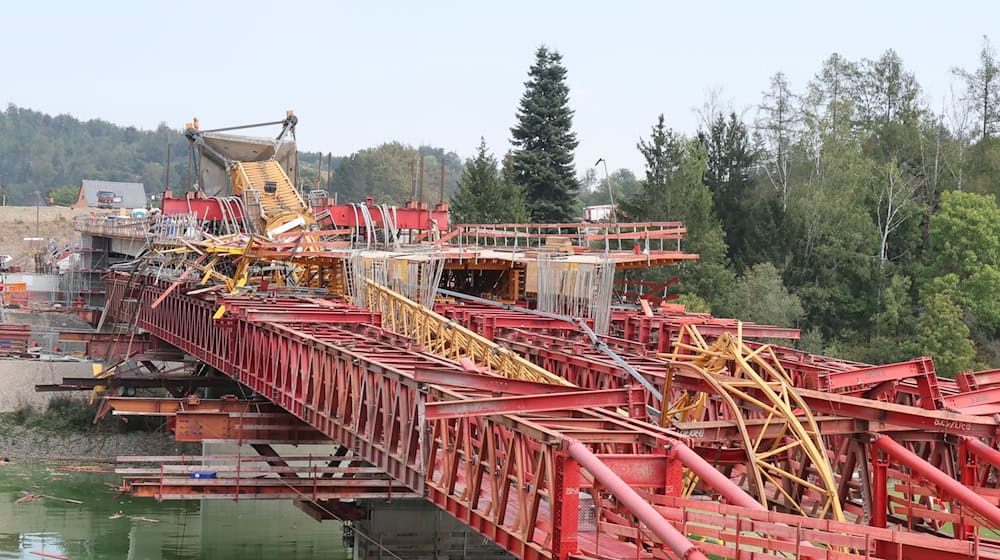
(343, 215)
(357, 387)
(204, 208)
(662, 528)
(495, 453)
(949, 486)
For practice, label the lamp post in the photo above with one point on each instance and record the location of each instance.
(611, 194)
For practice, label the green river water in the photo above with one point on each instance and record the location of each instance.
(210, 529)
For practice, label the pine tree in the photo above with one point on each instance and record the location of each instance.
(728, 176)
(485, 195)
(544, 142)
(674, 189)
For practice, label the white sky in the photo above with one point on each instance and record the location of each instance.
(445, 73)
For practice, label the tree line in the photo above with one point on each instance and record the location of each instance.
(853, 208)
(43, 156)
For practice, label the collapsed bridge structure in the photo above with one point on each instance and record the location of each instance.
(515, 377)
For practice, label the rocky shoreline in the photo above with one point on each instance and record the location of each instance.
(31, 443)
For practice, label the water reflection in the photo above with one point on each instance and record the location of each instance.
(108, 527)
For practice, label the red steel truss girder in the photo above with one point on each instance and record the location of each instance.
(491, 465)
(100, 345)
(861, 381)
(876, 416)
(186, 488)
(873, 375)
(796, 362)
(343, 215)
(871, 416)
(587, 368)
(660, 330)
(973, 380)
(360, 391)
(489, 383)
(974, 398)
(297, 310)
(727, 430)
(539, 403)
(406, 218)
(484, 516)
(487, 321)
(205, 208)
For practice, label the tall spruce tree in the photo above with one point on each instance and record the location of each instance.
(729, 176)
(485, 195)
(544, 142)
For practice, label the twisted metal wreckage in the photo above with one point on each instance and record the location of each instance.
(484, 368)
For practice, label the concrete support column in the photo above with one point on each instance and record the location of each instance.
(418, 529)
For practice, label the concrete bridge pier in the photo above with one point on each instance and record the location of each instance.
(416, 529)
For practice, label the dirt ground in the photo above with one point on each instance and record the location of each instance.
(18, 222)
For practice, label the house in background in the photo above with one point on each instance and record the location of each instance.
(110, 194)
(599, 213)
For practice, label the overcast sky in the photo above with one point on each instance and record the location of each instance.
(445, 73)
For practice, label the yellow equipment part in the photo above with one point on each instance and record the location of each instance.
(281, 206)
(443, 337)
(797, 457)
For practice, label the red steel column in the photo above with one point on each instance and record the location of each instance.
(968, 464)
(565, 507)
(674, 539)
(983, 451)
(880, 489)
(946, 484)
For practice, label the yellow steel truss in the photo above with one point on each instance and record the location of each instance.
(792, 465)
(443, 337)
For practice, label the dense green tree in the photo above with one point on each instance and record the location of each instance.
(65, 196)
(833, 241)
(692, 303)
(729, 177)
(965, 233)
(829, 99)
(980, 293)
(761, 296)
(544, 141)
(674, 189)
(622, 184)
(663, 154)
(41, 152)
(895, 325)
(387, 173)
(485, 195)
(942, 334)
(982, 167)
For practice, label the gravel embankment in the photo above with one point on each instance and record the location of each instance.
(20, 442)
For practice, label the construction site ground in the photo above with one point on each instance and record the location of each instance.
(18, 222)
